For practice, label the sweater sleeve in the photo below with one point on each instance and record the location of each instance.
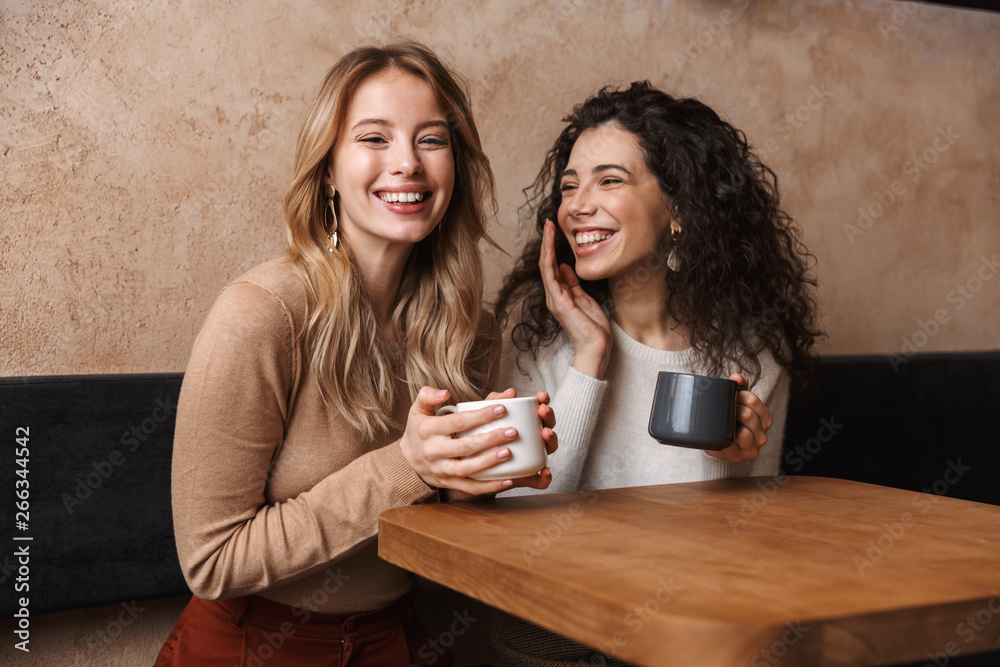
(775, 395)
(576, 400)
(236, 398)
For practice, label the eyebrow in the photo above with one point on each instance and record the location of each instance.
(598, 169)
(384, 123)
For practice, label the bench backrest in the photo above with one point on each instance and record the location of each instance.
(923, 423)
(99, 450)
(98, 473)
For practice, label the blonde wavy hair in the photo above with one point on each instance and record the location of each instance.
(438, 317)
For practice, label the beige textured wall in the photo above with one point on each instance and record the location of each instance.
(144, 148)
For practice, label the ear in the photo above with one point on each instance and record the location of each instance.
(328, 178)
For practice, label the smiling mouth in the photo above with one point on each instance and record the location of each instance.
(589, 238)
(403, 197)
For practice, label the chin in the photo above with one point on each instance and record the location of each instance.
(590, 275)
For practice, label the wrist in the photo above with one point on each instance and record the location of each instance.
(593, 365)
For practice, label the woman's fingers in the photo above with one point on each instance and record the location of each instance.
(750, 423)
(545, 411)
(427, 401)
(498, 395)
(551, 440)
(547, 260)
(752, 402)
(457, 422)
(570, 280)
(447, 460)
(750, 436)
(539, 480)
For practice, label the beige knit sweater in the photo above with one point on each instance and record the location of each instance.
(274, 493)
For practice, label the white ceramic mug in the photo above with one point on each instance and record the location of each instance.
(527, 450)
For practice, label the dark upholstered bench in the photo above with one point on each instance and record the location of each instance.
(923, 424)
(98, 466)
(100, 448)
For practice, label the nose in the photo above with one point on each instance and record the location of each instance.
(579, 203)
(405, 160)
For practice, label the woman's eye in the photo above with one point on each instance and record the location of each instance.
(566, 187)
(372, 140)
(434, 141)
(611, 180)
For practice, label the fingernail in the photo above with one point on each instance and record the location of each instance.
(510, 432)
(507, 482)
(440, 393)
(503, 453)
(499, 410)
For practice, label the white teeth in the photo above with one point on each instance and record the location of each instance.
(401, 197)
(591, 237)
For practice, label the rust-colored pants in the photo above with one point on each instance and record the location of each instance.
(254, 632)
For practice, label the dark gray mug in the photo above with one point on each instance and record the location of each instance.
(693, 411)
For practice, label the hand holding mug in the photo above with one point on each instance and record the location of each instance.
(753, 421)
(719, 416)
(454, 462)
(527, 451)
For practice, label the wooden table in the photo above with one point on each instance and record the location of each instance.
(759, 572)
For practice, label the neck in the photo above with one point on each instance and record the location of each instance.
(381, 277)
(642, 314)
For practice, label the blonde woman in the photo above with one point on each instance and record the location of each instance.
(308, 404)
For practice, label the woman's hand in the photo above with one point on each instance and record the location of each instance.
(440, 460)
(579, 314)
(753, 420)
(543, 477)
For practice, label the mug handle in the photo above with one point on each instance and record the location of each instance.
(447, 410)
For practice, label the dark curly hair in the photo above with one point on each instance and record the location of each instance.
(744, 284)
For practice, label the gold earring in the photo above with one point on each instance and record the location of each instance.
(331, 231)
(673, 262)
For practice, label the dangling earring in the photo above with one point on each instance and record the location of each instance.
(331, 231)
(673, 262)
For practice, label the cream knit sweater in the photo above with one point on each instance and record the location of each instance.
(603, 441)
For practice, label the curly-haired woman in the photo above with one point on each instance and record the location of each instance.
(670, 252)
